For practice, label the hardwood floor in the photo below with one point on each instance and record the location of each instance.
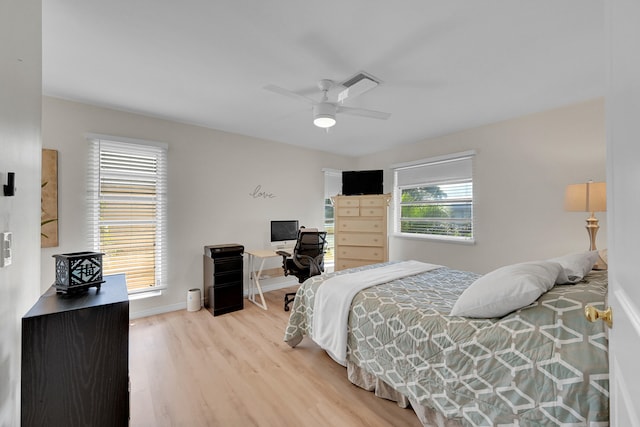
(193, 369)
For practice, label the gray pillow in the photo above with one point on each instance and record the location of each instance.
(575, 266)
(507, 289)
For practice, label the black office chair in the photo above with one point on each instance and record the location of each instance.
(307, 259)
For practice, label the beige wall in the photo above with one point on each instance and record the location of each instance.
(211, 175)
(521, 170)
(20, 94)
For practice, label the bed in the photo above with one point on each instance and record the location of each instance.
(542, 364)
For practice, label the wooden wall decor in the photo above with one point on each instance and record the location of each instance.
(49, 199)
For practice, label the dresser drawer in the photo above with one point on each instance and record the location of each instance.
(348, 202)
(372, 211)
(362, 225)
(372, 201)
(353, 211)
(361, 239)
(350, 263)
(360, 253)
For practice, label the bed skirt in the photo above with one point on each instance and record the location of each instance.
(427, 416)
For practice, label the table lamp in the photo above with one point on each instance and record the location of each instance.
(588, 197)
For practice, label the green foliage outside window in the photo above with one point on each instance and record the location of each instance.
(437, 210)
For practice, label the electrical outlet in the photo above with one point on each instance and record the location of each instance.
(6, 249)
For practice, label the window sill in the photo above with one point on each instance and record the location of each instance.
(443, 239)
(144, 295)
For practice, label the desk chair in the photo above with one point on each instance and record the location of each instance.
(307, 259)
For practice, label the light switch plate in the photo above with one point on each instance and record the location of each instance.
(6, 248)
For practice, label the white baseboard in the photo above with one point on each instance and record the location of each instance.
(158, 310)
(267, 284)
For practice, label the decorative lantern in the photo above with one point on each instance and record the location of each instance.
(78, 271)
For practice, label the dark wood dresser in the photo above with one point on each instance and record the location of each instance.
(75, 358)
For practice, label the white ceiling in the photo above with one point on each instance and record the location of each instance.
(445, 65)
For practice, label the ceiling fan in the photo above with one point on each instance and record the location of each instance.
(324, 111)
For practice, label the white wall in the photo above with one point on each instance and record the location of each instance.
(20, 93)
(521, 170)
(212, 175)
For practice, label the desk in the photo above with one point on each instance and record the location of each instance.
(254, 276)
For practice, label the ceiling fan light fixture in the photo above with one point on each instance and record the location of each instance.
(324, 121)
(324, 115)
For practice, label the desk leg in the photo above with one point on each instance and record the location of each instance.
(255, 281)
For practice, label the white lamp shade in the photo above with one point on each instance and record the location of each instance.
(587, 197)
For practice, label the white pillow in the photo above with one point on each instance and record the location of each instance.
(506, 289)
(575, 266)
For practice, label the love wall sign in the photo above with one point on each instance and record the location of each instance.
(259, 193)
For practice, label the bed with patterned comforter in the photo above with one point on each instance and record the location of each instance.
(541, 365)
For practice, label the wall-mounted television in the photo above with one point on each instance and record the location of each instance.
(362, 182)
(284, 233)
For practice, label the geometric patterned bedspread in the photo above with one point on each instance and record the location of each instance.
(544, 364)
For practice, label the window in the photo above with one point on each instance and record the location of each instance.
(127, 184)
(332, 187)
(434, 198)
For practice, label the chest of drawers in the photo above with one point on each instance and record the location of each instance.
(361, 230)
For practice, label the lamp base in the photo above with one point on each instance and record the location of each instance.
(592, 229)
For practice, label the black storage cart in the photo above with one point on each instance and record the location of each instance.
(223, 278)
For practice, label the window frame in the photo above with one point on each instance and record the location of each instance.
(453, 179)
(133, 147)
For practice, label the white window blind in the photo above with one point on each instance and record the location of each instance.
(332, 183)
(332, 187)
(127, 185)
(434, 197)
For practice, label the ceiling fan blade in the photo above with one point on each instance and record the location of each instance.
(288, 93)
(364, 113)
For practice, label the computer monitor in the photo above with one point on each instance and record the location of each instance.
(284, 233)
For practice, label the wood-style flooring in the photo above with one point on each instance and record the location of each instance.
(194, 369)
